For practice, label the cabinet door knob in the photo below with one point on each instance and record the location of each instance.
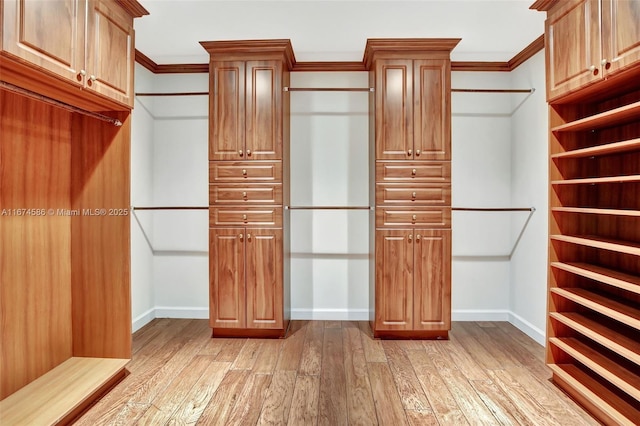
(248, 153)
(81, 75)
(593, 69)
(241, 236)
(92, 77)
(244, 217)
(418, 238)
(240, 153)
(410, 237)
(409, 152)
(417, 152)
(244, 172)
(606, 64)
(249, 237)
(413, 195)
(414, 217)
(413, 172)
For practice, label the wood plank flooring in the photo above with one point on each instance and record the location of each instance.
(335, 373)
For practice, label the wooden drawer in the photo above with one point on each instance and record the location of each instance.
(253, 216)
(245, 171)
(432, 218)
(238, 194)
(395, 194)
(422, 171)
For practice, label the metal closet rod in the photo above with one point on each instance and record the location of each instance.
(33, 95)
(328, 89)
(170, 208)
(494, 90)
(327, 208)
(338, 89)
(494, 209)
(172, 94)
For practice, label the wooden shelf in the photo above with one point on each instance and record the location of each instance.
(618, 246)
(594, 395)
(604, 119)
(606, 276)
(606, 149)
(609, 370)
(601, 304)
(610, 339)
(608, 179)
(588, 210)
(62, 393)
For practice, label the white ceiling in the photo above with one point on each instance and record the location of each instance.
(333, 30)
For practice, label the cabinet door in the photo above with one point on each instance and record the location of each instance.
(432, 279)
(621, 33)
(263, 137)
(394, 280)
(394, 109)
(264, 278)
(227, 278)
(573, 46)
(110, 51)
(431, 109)
(226, 138)
(49, 34)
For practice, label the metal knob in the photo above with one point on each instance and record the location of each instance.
(244, 172)
(92, 77)
(409, 152)
(593, 69)
(410, 237)
(418, 238)
(240, 236)
(244, 217)
(83, 72)
(249, 237)
(413, 172)
(413, 195)
(414, 217)
(417, 152)
(244, 194)
(240, 153)
(248, 153)
(606, 64)
(81, 75)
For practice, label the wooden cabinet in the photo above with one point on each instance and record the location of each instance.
(412, 276)
(411, 113)
(246, 284)
(246, 110)
(248, 187)
(594, 224)
(589, 40)
(88, 44)
(412, 104)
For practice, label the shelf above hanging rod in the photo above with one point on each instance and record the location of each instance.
(173, 94)
(494, 90)
(19, 90)
(494, 209)
(170, 208)
(327, 208)
(328, 89)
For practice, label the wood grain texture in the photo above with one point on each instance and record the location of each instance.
(177, 366)
(432, 109)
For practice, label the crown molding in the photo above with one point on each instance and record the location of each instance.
(543, 5)
(376, 47)
(134, 8)
(242, 48)
(258, 49)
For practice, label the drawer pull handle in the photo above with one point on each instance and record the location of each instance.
(244, 194)
(414, 217)
(413, 195)
(413, 172)
(244, 217)
(417, 153)
(418, 238)
(244, 172)
(240, 153)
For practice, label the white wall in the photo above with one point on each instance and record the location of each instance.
(495, 143)
(529, 163)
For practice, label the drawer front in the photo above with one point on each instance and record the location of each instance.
(254, 171)
(423, 171)
(239, 194)
(252, 216)
(431, 218)
(435, 195)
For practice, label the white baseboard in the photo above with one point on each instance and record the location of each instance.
(186, 312)
(480, 315)
(527, 328)
(143, 319)
(330, 314)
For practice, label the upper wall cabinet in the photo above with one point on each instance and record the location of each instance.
(246, 110)
(588, 40)
(87, 43)
(411, 104)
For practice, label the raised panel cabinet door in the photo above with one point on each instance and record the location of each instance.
(49, 34)
(621, 34)
(431, 109)
(573, 46)
(265, 296)
(110, 51)
(394, 109)
(263, 126)
(432, 279)
(227, 278)
(394, 280)
(226, 132)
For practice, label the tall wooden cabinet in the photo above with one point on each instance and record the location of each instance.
(64, 212)
(410, 136)
(249, 163)
(593, 326)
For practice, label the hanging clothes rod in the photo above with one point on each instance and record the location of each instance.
(171, 208)
(173, 94)
(327, 208)
(494, 90)
(494, 209)
(19, 90)
(328, 89)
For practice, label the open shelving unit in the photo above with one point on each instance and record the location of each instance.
(593, 327)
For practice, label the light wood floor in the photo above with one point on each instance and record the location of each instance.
(334, 373)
